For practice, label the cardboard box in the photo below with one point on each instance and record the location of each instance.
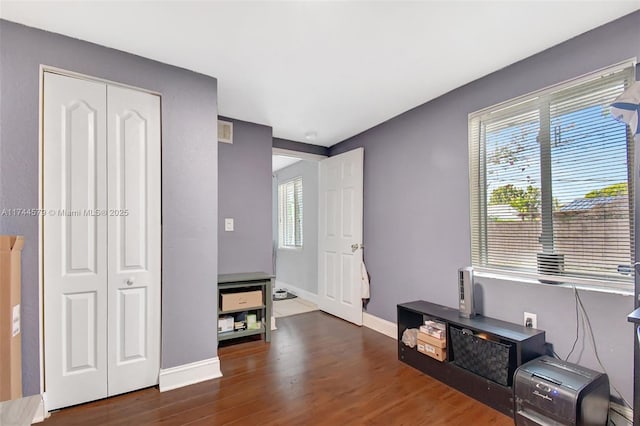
(242, 300)
(225, 324)
(433, 341)
(434, 352)
(10, 335)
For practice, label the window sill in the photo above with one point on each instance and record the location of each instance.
(499, 275)
(290, 249)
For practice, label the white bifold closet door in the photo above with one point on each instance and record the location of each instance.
(101, 239)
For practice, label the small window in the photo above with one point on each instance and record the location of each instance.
(551, 177)
(290, 209)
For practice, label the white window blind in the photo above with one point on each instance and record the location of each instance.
(551, 180)
(290, 207)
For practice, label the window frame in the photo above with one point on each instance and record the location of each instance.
(298, 214)
(478, 192)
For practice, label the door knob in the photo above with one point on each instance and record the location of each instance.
(355, 247)
(130, 281)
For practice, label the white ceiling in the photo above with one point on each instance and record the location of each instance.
(329, 68)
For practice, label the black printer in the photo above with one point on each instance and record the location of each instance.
(549, 391)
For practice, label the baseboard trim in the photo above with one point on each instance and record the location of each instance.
(304, 294)
(42, 412)
(189, 374)
(25, 410)
(380, 325)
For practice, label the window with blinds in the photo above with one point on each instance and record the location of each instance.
(290, 209)
(551, 180)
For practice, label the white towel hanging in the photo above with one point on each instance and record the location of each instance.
(365, 281)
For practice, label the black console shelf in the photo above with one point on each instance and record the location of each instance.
(527, 344)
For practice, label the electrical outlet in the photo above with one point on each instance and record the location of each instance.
(530, 320)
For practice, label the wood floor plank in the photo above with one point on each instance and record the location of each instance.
(317, 370)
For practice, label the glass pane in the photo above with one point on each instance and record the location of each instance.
(298, 212)
(290, 227)
(290, 213)
(591, 220)
(513, 191)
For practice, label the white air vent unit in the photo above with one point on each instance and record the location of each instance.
(225, 131)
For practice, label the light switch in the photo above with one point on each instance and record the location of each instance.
(228, 224)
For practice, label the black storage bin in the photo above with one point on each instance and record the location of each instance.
(486, 358)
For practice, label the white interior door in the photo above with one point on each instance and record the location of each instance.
(340, 235)
(134, 239)
(75, 241)
(102, 239)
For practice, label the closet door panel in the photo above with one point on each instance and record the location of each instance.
(75, 240)
(134, 239)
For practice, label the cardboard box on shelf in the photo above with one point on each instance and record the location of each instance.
(434, 352)
(241, 300)
(225, 324)
(10, 335)
(433, 341)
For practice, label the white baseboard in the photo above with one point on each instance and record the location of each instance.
(189, 374)
(380, 325)
(22, 411)
(304, 294)
(42, 412)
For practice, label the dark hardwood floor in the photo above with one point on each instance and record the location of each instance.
(317, 370)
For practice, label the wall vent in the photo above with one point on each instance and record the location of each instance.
(225, 131)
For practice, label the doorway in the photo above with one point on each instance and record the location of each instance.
(318, 231)
(295, 232)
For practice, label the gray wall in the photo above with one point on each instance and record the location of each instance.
(244, 194)
(299, 267)
(416, 203)
(300, 147)
(189, 181)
